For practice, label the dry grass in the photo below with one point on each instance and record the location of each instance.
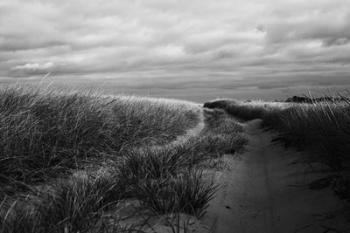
(44, 135)
(322, 127)
(67, 159)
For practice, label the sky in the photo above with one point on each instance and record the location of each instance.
(250, 45)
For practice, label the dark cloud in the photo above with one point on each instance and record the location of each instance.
(336, 41)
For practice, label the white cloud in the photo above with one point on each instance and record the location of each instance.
(34, 66)
(250, 39)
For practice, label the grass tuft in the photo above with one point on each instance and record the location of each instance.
(185, 193)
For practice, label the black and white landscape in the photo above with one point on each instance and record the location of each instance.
(174, 116)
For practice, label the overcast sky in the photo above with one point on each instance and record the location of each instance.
(264, 43)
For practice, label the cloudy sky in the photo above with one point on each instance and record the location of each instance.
(226, 43)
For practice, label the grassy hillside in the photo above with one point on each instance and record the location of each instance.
(322, 127)
(45, 134)
(68, 159)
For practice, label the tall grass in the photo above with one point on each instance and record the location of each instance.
(167, 180)
(185, 193)
(67, 159)
(77, 204)
(223, 135)
(323, 127)
(153, 163)
(46, 134)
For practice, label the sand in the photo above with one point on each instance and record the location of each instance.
(264, 191)
(261, 190)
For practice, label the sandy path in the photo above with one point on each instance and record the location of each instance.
(192, 132)
(131, 207)
(263, 193)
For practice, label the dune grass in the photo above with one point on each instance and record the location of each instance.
(67, 159)
(170, 178)
(43, 135)
(77, 204)
(223, 135)
(322, 127)
(182, 193)
(47, 136)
